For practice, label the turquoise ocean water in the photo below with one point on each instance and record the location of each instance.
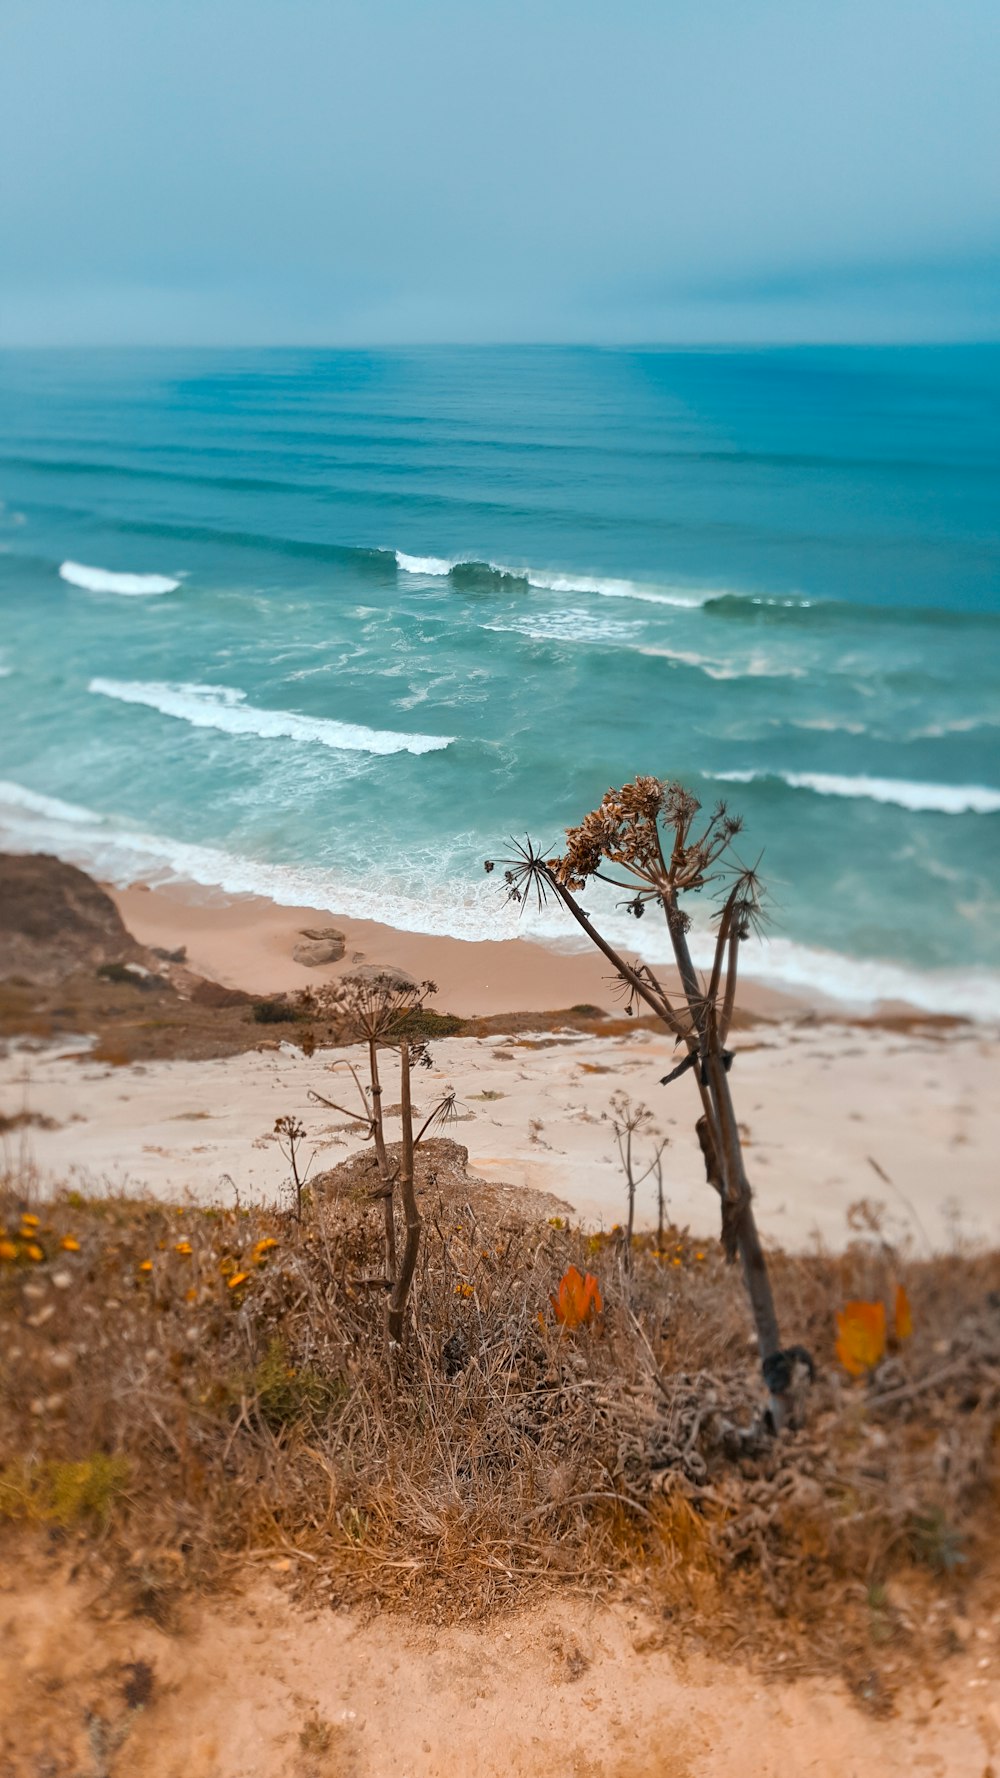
(330, 625)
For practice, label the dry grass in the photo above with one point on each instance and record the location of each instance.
(175, 1424)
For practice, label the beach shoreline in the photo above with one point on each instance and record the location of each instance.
(246, 942)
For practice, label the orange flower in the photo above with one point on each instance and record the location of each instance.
(183, 1247)
(8, 1250)
(145, 1265)
(464, 1290)
(902, 1315)
(262, 1248)
(236, 1280)
(29, 1221)
(70, 1244)
(860, 1336)
(33, 1251)
(578, 1299)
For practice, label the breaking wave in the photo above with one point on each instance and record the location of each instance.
(468, 570)
(101, 580)
(224, 708)
(943, 799)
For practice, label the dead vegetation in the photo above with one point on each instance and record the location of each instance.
(189, 1393)
(650, 840)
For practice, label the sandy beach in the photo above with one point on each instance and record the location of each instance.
(246, 941)
(833, 1114)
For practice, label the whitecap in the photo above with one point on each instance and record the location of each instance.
(568, 626)
(18, 796)
(225, 708)
(757, 667)
(544, 580)
(101, 580)
(614, 589)
(942, 799)
(432, 565)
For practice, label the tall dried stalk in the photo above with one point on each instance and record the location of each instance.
(629, 1121)
(647, 833)
(379, 1012)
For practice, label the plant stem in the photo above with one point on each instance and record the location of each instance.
(411, 1246)
(383, 1161)
(738, 1222)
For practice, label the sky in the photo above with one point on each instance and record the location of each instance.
(251, 172)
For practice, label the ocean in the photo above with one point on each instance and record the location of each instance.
(330, 625)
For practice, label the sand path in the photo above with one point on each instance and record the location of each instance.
(257, 1688)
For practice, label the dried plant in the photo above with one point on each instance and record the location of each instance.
(197, 1393)
(291, 1134)
(379, 1011)
(629, 1122)
(646, 839)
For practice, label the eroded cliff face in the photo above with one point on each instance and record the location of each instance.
(55, 919)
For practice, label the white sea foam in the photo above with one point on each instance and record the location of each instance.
(758, 666)
(222, 707)
(943, 799)
(118, 853)
(432, 565)
(19, 797)
(545, 581)
(860, 983)
(100, 580)
(568, 626)
(617, 589)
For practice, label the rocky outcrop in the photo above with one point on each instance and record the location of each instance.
(318, 945)
(54, 919)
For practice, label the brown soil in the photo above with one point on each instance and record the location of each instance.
(254, 1687)
(54, 917)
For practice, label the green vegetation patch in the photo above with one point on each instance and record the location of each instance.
(64, 1494)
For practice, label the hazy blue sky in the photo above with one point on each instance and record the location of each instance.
(242, 171)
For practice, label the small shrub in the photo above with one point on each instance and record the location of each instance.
(62, 1494)
(282, 1392)
(117, 972)
(422, 1022)
(273, 1012)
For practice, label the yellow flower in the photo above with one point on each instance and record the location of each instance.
(145, 1265)
(33, 1251)
(464, 1290)
(236, 1280)
(262, 1248)
(29, 1221)
(183, 1247)
(7, 1250)
(70, 1244)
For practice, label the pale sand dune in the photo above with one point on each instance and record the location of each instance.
(817, 1101)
